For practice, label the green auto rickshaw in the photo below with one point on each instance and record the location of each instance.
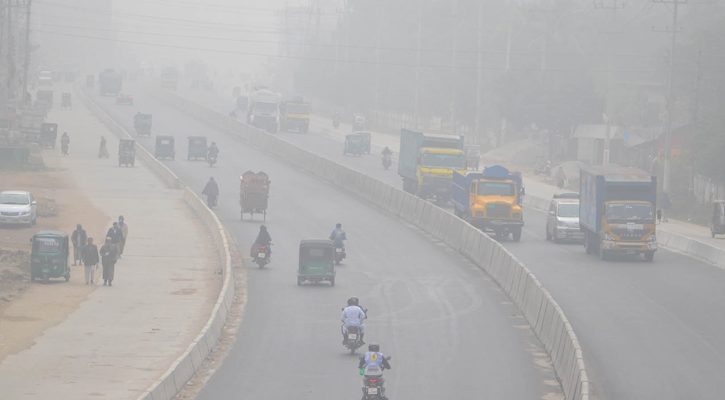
(49, 256)
(317, 261)
(353, 144)
(164, 147)
(197, 148)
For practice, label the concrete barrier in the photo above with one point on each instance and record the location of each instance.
(540, 311)
(193, 357)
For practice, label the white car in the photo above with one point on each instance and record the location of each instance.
(18, 208)
(562, 223)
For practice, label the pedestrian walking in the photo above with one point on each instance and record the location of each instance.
(116, 235)
(124, 231)
(79, 239)
(102, 150)
(666, 204)
(109, 255)
(560, 178)
(64, 142)
(90, 260)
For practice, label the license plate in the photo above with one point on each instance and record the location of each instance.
(631, 252)
(338, 250)
(496, 222)
(372, 390)
(352, 336)
(261, 255)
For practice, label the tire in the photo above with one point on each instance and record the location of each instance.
(516, 235)
(649, 256)
(299, 281)
(548, 237)
(556, 239)
(352, 349)
(712, 233)
(46, 278)
(67, 277)
(603, 255)
(332, 282)
(337, 262)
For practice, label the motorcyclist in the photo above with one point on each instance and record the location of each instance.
(376, 358)
(387, 151)
(211, 190)
(352, 315)
(338, 235)
(212, 151)
(263, 239)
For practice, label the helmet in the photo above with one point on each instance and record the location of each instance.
(374, 347)
(339, 225)
(353, 301)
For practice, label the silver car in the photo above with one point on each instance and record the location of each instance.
(18, 208)
(562, 223)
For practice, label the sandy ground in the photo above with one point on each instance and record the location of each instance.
(61, 205)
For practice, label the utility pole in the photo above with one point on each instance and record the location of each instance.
(376, 103)
(696, 105)
(11, 51)
(26, 62)
(670, 94)
(607, 112)
(417, 62)
(479, 67)
(454, 24)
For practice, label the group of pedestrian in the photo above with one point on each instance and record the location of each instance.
(65, 142)
(84, 251)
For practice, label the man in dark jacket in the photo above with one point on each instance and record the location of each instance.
(79, 239)
(109, 255)
(116, 235)
(211, 190)
(90, 260)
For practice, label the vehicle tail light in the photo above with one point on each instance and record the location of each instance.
(373, 380)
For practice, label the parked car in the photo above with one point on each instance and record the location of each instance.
(124, 98)
(562, 223)
(18, 208)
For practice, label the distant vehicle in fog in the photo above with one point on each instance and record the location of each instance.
(45, 78)
(562, 222)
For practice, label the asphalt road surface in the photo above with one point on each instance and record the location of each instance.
(451, 332)
(648, 330)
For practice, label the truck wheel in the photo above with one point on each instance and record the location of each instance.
(649, 256)
(516, 235)
(587, 243)
(548, 237)
(603, 254)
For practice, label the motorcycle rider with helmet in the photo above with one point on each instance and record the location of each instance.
(387, 152)
(377, 360)
(353, 315)
(212, 151)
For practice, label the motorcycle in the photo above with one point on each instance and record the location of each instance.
(263, 256)
(339, 253)
(543, 169)
(373, 383)
(211, 160)
(354, 341)
(387, 161)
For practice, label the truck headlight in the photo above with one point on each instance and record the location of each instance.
(608, 236)
(517, 216)
(652, 238)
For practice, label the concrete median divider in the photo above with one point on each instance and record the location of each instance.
(543, 315)
(192, 359)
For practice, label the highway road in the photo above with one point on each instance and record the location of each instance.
(451, 332)
(648, 330)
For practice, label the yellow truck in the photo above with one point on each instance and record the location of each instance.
(294, 115)
(617, 211)
(427, 161)
(490, 200)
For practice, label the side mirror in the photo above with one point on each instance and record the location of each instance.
(552, 213)
(34, 203)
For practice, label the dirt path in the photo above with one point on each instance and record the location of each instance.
(27, 309)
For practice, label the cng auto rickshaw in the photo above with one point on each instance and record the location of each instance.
(317, 261)
(126, 152)
(48, 135)
(142, 123)
(65, 101)
(164, 147)
(353, 144)
(358, 122)
(718, 218)
(197, 148)
(49, 256)
(367, 141)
